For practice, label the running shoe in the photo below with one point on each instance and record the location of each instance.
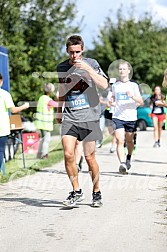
(156, 145)
(122, 168)
(99, 145)
(96, 201)
(112, 150)
(73, 198)
(79, 166)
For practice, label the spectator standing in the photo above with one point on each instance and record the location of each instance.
(44, 119)
(6, 104)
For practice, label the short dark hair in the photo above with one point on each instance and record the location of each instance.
(75, 40)
(1, 77)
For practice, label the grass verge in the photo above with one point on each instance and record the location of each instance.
(14, 168)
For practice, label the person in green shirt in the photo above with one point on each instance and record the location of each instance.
(6, 103)
(44, 119)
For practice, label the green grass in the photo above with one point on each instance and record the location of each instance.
(14, 168)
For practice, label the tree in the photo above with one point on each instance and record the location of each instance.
(141, 42)
(12, 37)
(35, 31)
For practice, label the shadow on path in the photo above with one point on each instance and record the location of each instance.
(149, 161)
(43, 203)
(117, 174)
(51, 171)
(34, 202)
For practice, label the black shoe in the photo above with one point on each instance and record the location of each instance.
(73, 198)
(96, 201)
(81, 161)
(79, 166)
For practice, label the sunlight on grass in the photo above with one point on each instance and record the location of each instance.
(15, 168)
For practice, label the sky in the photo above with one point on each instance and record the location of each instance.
(96, 11)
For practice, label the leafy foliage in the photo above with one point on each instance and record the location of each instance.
(34, 31)
(141, 42)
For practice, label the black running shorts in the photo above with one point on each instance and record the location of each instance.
(83, 131)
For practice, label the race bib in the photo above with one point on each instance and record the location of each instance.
(157, 110)
(122, 96)
(77, 102)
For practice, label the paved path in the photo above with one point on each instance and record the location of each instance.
(133, 218)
